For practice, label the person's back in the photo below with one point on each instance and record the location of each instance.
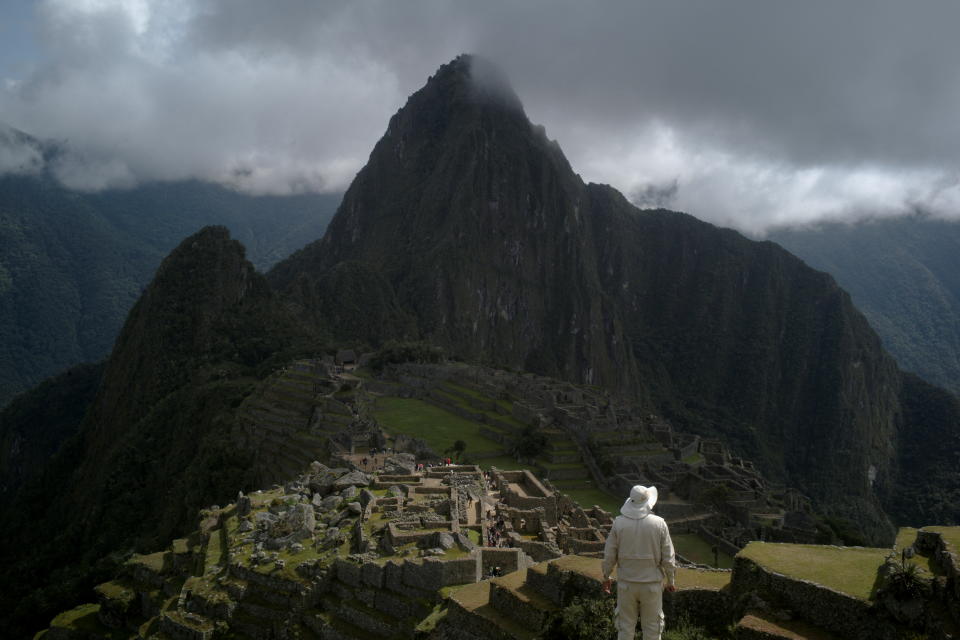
(639, 545)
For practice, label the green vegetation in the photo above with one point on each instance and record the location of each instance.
(851, 570)
(394, 352)
(592, 618)
(587, 496)
(902, 274)
(84, 619)
(73, 264)
(437, 427)
(584, 619)
(905, 582)
(531, 443)
(696, 549)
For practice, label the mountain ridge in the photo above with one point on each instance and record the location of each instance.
(503, 255)
(471, 230)
(72, 264)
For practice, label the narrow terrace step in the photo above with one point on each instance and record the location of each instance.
(756, 626)
(511, 596)
(377, 624)
(328, 627)
(261, 405)
(470, 615)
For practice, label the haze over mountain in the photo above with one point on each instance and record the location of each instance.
(748, 114)
(73, 263)
(502, 254)
(904, 274)
(468, 228)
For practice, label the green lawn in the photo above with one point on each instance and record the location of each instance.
(440, 429)
(696, 549)
(479, 396)
(850, 570)
(437, 427)
(587, 496)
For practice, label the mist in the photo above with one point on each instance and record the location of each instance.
(747, 114)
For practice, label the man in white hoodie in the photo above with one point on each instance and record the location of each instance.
(639, 545)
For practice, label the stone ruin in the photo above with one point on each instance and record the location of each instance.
(339, 554)
(340, 551)
(704, 488)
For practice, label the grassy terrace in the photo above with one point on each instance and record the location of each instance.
(503, 404)
(906, 536)
(437, 427)
(83, 619)
(696, 549)
(850, 570)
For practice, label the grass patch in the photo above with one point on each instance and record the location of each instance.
(696, 549)
(587, 496)
(503, 404)
(437, 427)
(699, 579)
(84, 619)
(850, 570)
(428, 624)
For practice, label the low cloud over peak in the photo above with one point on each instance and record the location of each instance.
(748, 114)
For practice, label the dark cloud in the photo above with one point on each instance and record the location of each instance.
(750, 113)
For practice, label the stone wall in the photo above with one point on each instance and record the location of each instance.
(844, 615)
(426, 575)
(725, 546)
(509, 560)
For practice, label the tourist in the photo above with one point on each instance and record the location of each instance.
(639, 545)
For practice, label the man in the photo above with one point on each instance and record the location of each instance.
(639, 545)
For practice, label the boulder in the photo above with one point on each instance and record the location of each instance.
(400, 464)
(351, 479)
(348, 493)
(354, 508)
(330, 503)
(322, 482)
(366, 497)
(445, 541)
(264, 517)
(300, 518)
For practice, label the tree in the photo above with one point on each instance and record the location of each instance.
(458, 448)
(531, 443)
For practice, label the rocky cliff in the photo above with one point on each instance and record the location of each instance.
(502, 254)
(469, 228)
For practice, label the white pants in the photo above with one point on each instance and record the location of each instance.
(648, 597)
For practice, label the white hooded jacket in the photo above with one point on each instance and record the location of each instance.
(642, 549)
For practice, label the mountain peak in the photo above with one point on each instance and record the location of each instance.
(475, 80)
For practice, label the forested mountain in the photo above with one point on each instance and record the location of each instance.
(904, 274)
(72, 264)
(468, 228)
(478, 226)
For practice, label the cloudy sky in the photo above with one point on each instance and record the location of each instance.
(746, 113)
